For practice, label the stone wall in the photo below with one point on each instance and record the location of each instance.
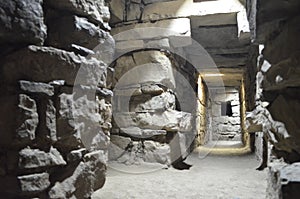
(277, 107)
(225, 127)
(55, 110)
(278, 82)
(153, 85)
(149, 123)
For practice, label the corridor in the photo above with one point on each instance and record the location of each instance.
(212, 177)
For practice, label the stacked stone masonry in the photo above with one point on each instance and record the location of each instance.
(55, 107)
(66, 86)
(278, 90)
(226, 126)
(146, 116)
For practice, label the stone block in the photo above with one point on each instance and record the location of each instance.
(159, 44)
(152, 89)
(95, 11)
(123, 64)
(124, 119)
(127, 46)
(156, 152)
(170, 120)
(128, 91)
(134, 12)
(34, 183)
(284, 109)
(180, 41)
(279, 77)
(285, 43)
(149, 66)
(98, 156)
(243, 25)
(117, 8)
(36, 87)
(218, 36)
(137, 132)
(186, 8)
(148, 151)
(283, 180)
(157, 30)
(214, 19)
(87, 177)
(161, 102)
(66, 31)
(82, 121)
(22, 21)
(35, 158)
(76, 155)
(27, 119)
(118, 145)
(60, 65)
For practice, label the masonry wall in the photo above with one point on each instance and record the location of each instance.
(225, 127)
(154, 86)
(277, 106)
(149, 125)
(55, 111)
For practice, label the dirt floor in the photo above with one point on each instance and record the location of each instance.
(212, 177)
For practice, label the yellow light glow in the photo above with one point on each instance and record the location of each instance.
(213, 75)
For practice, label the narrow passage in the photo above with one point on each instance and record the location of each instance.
(213, 177)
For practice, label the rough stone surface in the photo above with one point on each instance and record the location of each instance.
(277, 93)
(161, 102)
(87, 177)
(35, 158)
(283, 180)
(142, 133)
(170, 120)
(35, 87)
(79, 122)
(144, 67)
(96, 11)
(22, 22)
(147, 151)
(225, 127)
(145, 108)
(76, 30)
(28, 119)
(60, 65)
(55, 105)
(117, 146)
(35, 183)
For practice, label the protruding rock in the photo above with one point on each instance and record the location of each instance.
(36, 87)
(95, 11)
(60, 65)
(86, 178)
(34, 183)
(22, 21)
(170, 120)
(27, 118)
(35, 158)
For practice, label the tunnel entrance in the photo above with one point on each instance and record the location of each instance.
(221, 110)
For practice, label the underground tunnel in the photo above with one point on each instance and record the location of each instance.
(149, 99)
